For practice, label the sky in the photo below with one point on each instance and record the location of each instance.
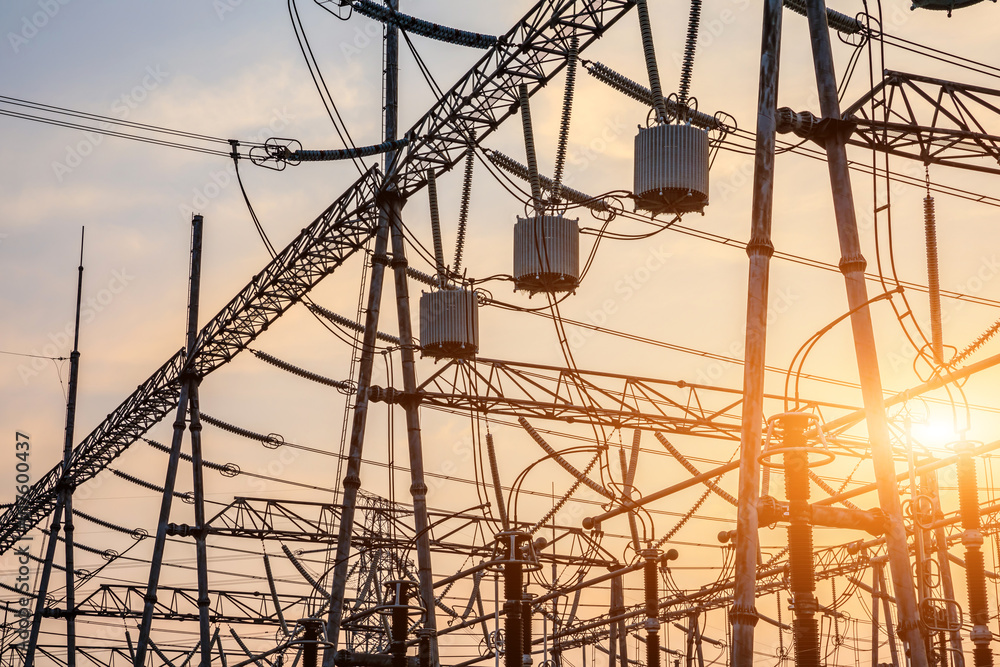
(233, 69)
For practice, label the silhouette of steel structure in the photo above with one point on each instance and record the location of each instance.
(394, 598)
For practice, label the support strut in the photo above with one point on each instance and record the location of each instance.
(852, 265)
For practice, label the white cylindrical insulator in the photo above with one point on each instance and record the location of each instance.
(546, 254)
(449, 323)
(671, 169)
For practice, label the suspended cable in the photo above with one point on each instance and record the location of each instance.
(324, 92)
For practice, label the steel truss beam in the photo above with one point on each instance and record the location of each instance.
(837, 561)
(181, 604)
(931, 120)
(339, 232)
(532, 52)
(290, 520)
(563, 394)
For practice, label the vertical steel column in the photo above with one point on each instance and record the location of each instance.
(743, 614)
(65, 487)
(618, 646)
(618, 593)
(43, 584)
(975, 566)
(418, 487)
(612, 629)
(352, 478)
(852, 265)
(188, 380)
(200, 529)
(64, 502)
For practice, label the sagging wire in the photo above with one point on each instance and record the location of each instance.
(810, 342)
(352, 341)
(887, 206)
(324, 92)
(922, 350)
(538, 205)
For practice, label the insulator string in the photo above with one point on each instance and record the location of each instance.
(567, 109)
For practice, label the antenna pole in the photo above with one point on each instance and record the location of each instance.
(189, 382)
(65, 487)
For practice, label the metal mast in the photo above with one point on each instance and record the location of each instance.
(189, 390)
(392, 205)
(759, 249)
(852, 265)
(352, 479)
(65, 502)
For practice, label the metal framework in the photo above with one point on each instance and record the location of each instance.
(533, 52)
(492, 386)
(930, 120)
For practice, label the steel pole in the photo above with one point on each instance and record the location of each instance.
(188, 380)
(197, 471)
(200, 529)
(744, 613)
(418, 487)
(852, 265)
(43, 584)
(66, 488)
(352, 478)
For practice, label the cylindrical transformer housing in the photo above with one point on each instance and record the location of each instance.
(671, 169)
(546, 254)
(449, 323)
